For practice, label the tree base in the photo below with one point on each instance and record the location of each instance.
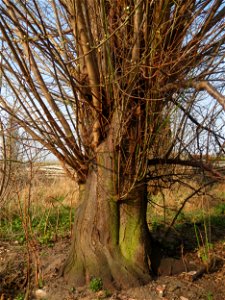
(114, 271)
(111, 239)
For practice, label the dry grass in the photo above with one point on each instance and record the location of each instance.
(36, 194)
(166, 203)
(46, 190)
(39, 206)
(40, 192)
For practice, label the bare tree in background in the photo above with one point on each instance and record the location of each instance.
(112, 88)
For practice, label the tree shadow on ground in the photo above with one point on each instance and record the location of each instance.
(189, 235)
(171, 245)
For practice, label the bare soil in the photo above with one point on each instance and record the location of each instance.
(22, 270)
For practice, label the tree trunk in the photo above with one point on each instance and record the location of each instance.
(111, 239)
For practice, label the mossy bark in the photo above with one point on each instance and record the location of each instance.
(110, 238)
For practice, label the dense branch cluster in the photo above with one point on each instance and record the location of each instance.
(137, 71)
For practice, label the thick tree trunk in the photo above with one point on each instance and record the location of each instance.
(111, 238)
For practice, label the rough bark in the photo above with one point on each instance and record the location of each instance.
(111, 237)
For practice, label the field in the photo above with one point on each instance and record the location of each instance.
(35, 228)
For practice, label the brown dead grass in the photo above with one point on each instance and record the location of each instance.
(168, 201)
(38, 194)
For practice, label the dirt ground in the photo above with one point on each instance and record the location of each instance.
(16, 276)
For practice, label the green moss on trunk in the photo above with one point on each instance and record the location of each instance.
(110, 237)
